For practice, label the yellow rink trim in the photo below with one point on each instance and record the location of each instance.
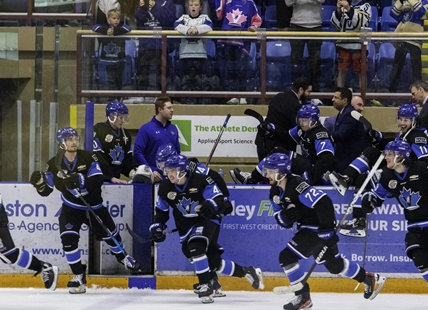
(333, 285)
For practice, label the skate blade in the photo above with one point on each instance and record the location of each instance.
(55, 270)
(207, 299)
(335, 182)
(77, 290)
(281, 290)
(259, 274)
(219, 294)
(379, 285)
(234, 178)
(353, 233)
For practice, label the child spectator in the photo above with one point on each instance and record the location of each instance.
(237, 15)
(151, 14)
(113, 50)
(350, 17)
(193, 51)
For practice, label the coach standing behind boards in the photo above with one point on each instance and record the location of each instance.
(348, 133)
(157, 132)
(281, 117)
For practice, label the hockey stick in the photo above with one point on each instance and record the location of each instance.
(58, 161)
(359, 117)
(217, 140)
(301, 284)
(140, 239)
(255, 114)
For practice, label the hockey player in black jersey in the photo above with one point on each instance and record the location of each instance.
(406, 180)
(417, 138)
(12, 255)
(113, 146)
(317, 156)
(197, 206)
(83, 178)
(298, 204)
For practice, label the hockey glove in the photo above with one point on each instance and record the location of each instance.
(206, 210)
(288, 216)
(376, 135)
(75, 180)
(330, 237)
(268, 128)
(156, 230)
(143, 174)
(38, 180)
(368, 202)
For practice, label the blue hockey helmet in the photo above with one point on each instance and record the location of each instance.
(408, 110)
(279, 162)
(116, 107)
(65, 133)
(400, 148)
(179, 162)
(309, 111)
(164, 152)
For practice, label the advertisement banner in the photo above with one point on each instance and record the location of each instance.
(197, 135)
(33, 224)
(44, 3)
(251, 236)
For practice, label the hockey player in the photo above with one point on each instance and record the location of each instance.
(12, 255)
(165, 152)
(197, 205)
(83, 178)
(317, 150)
(417, 138)
(405, 180)
(297, 204)
(113, 145)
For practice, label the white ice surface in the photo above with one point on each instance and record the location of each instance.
(133, 299)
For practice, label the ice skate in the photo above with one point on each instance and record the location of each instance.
(49, 275)
(240, 177)
(255, 277)
(130, 264)
(206, 293)
(354, 228)
(217, 292)
(373, 283)
(340, 182)
(299, 302)
(77, 285)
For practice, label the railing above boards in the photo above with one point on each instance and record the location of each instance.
(261, 37)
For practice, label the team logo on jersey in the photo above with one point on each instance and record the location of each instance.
(236, 17)
(109, 138)
(81, 167)
(408, 199)
(276, 199)
(322, 135)
(420, 140)
(117, 154)
(414, 177)
(187, 207)
(392, 184)
(112, 50)
(171, 195)
(193, 190)
(302, 187)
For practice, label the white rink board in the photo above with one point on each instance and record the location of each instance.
(33, 223)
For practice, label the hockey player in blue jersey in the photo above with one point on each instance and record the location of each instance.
(197, 205)
(297, 204)
(406, 180)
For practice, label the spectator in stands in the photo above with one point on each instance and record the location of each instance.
(410, 15)
(306, 17)
(149, 15)
(191, 82)
(113, 49)
(173, 81)
(193, 50)
(210, 82)
(237, 15)
(350, 17)
(103, 6)
(283, 15)
(419, 90)
(348, 133)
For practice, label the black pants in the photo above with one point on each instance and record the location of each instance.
(402, 48)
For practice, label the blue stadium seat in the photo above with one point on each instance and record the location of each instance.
(129, 76)
(278, 65)
(374, 19)
(179, 10)
(326, 13)
(270, 21)
(387, 23)
(385, 61)
(382, 5)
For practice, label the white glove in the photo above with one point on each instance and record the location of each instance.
(143, 174)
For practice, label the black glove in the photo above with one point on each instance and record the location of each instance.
(206, 210)
(376, 135)
(156, 230)
(75, 180)
(330, 237)
(288, 216)
(269, 128)
(37, 178)
(368, 202)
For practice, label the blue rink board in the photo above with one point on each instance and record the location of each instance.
(251, 236)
